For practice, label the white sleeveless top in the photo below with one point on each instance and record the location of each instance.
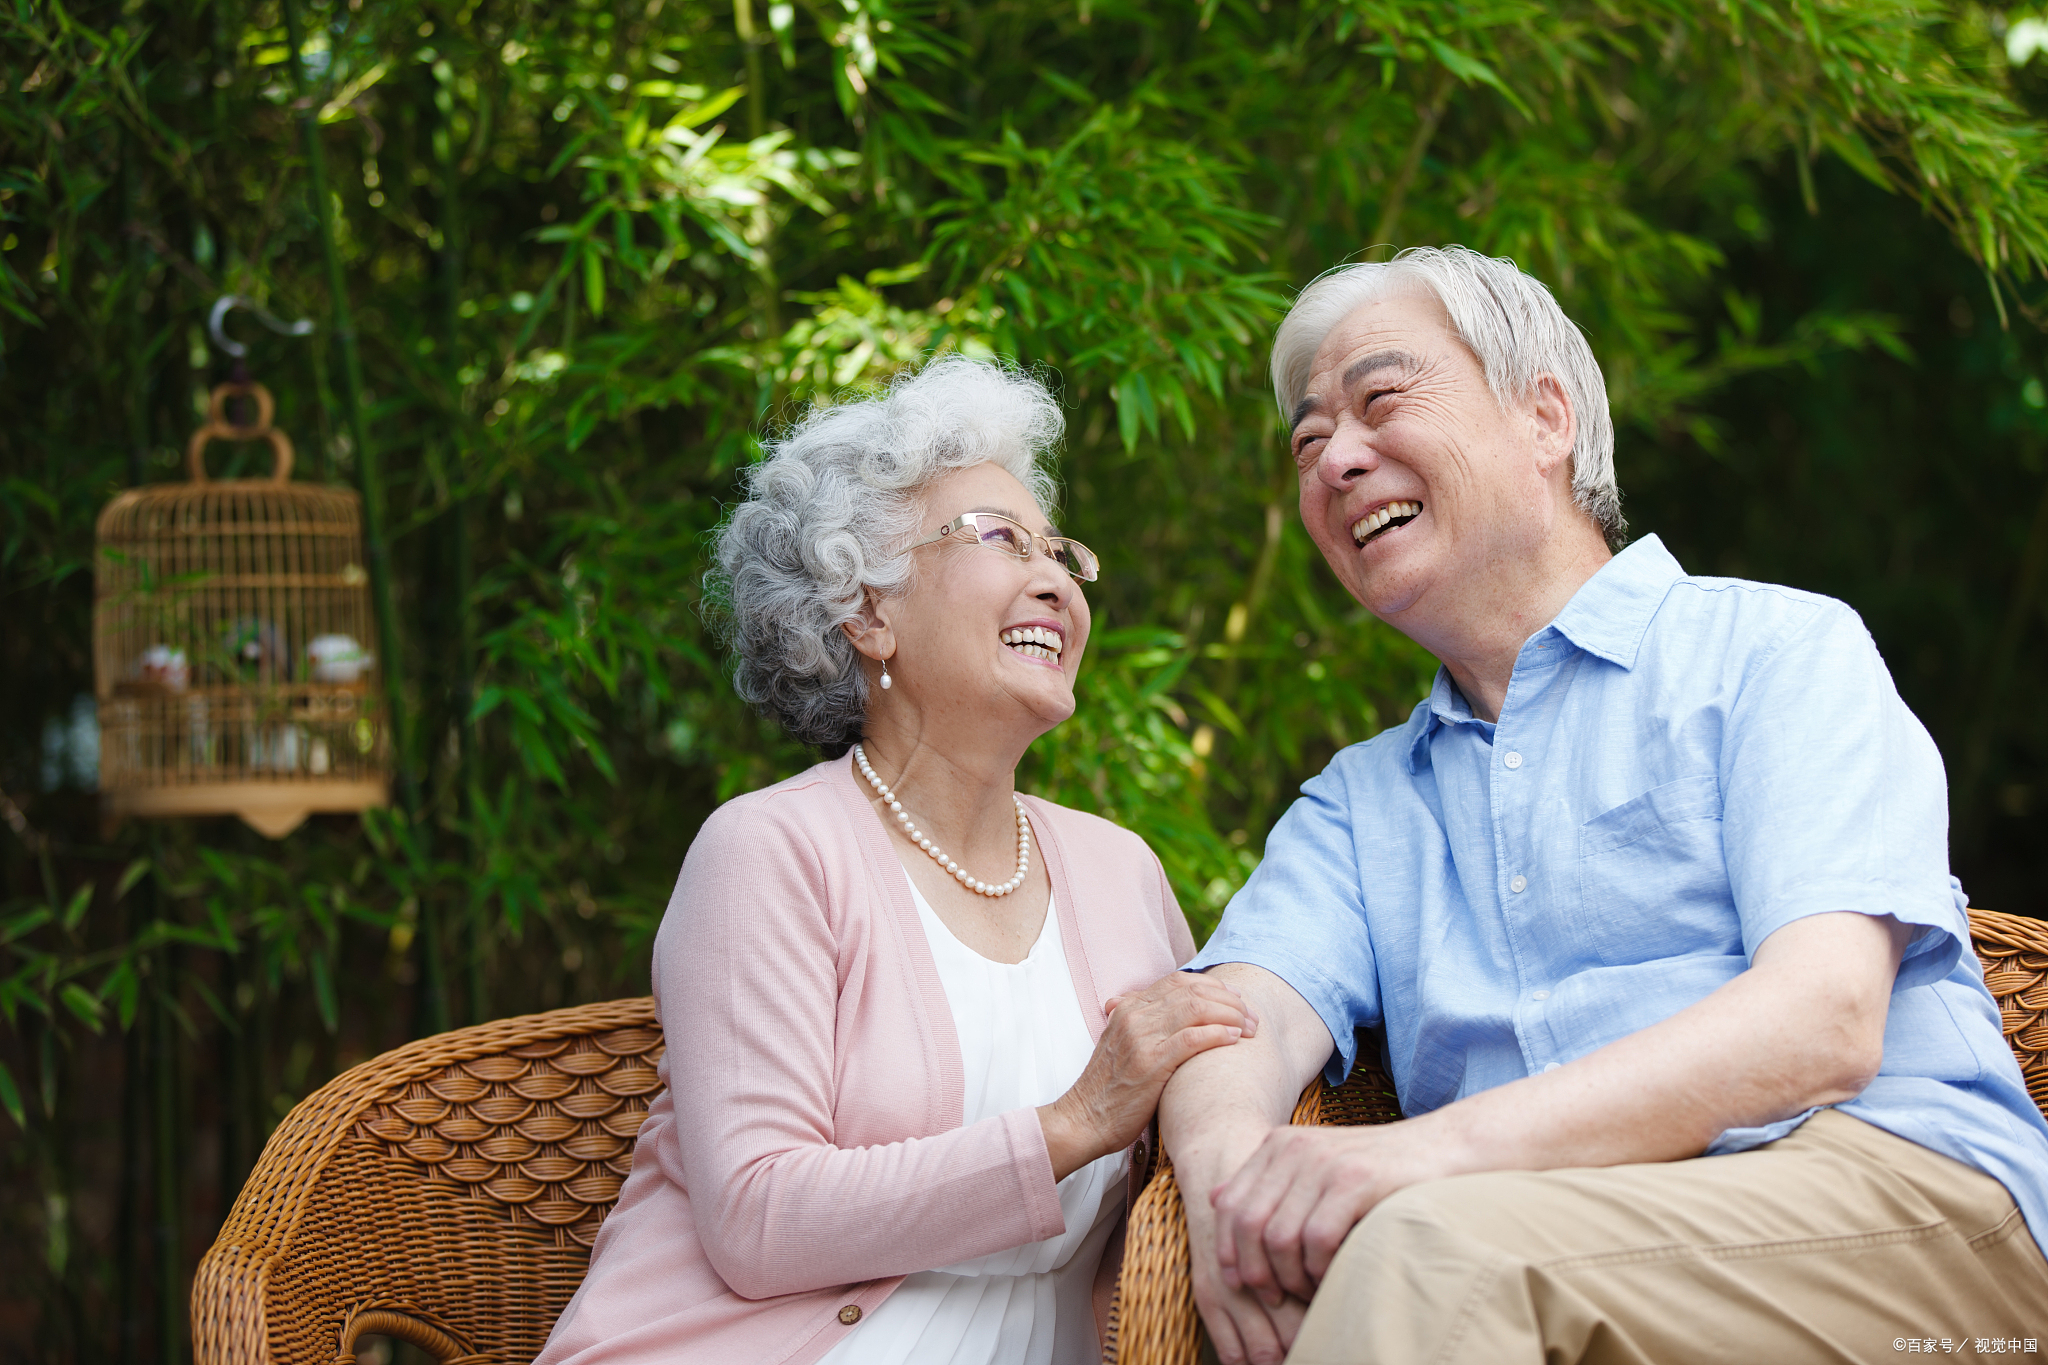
(1023, 1041)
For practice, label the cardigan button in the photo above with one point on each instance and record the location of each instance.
(850, 1314)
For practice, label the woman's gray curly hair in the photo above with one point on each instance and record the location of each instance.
(829, 512)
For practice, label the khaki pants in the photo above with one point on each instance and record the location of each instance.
(1838, 1243)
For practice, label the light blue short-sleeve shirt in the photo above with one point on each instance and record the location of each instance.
(1681, 767)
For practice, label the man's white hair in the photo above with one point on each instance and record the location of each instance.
(1507, 319)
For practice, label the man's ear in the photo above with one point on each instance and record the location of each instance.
(1556, 425)
(870, 631)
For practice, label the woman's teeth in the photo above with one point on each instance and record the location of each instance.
(1385, 517)
(1035, 641)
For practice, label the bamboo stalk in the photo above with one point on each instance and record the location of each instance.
(128, 1256)
(462, 680)
(167, 1168)
(369, 477)
(128, 1215)
(370, 482)
(1425, 130)
(138, 380)
(466, 758)
(750, 48)
(236, 1153)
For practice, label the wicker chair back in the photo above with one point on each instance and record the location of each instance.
(445, 1193)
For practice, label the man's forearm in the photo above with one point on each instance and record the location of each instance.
(1216, 1111)
(1804, 1027)
(1220, 1104)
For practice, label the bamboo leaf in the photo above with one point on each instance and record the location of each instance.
(709, 109)
(593, 280)
(130, 875)
(83, 1004)
(10, 1099)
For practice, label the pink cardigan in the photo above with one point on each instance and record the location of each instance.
(816, 1155)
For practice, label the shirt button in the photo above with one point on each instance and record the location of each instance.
(1539, 995)
(1549, 1067)
(850, 1314)
(1519, 884)
(1513, 760)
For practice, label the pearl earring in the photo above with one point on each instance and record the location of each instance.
(887, 681)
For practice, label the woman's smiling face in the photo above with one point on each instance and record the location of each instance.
(983, 637)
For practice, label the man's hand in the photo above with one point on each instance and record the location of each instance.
(1241, 1327)
(1281, 1218)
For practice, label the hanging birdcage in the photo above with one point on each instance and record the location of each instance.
(229, 634)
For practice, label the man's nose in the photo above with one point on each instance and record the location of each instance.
(1345, 458)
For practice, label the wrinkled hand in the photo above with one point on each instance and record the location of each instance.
(1149, 1034)
(1282, 1217)
(1243, 1330)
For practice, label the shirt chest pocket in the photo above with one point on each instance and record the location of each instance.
(1653, 881)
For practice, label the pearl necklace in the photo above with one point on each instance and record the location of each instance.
(923, 841)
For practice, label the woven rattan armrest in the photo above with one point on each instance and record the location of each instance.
(1153, 1320)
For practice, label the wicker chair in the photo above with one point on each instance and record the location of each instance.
(447, 1193)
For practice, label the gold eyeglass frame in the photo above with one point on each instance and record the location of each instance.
(1044, 545)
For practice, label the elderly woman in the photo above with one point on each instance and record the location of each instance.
(915, 1021)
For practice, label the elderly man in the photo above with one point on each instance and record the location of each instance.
(1648, 903)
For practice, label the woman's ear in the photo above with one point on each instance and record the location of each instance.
(870, 631)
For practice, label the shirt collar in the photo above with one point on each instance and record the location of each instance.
(1611, 611)
(1444, 706)
(1607, 616)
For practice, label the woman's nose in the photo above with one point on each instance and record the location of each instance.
(1050, 582)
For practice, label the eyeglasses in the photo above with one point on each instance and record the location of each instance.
(998, 532)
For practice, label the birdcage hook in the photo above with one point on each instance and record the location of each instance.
(229, 302)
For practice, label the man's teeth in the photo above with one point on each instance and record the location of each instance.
(1035, 641)
(1373, 521)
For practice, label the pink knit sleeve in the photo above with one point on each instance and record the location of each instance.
(746, 982)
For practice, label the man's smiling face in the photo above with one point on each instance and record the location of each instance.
(1415, 482)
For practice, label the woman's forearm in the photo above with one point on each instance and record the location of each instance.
(813, 1216)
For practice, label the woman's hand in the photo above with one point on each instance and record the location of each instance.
(1149, 1034)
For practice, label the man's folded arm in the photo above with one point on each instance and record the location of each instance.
(1215, 1112)
(1803, 1027)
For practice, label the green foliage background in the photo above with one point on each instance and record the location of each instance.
(593, 250)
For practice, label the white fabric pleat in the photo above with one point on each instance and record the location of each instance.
(1023, 1041)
